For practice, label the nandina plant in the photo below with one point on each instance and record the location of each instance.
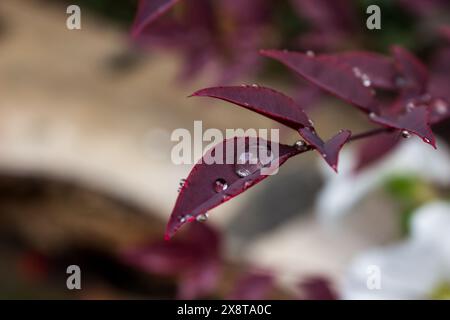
(358, 78)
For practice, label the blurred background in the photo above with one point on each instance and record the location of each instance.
(86, 176)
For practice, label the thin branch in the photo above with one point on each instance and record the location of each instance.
(369, 133)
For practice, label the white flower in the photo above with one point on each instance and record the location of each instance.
(413, 269)
(412, 157)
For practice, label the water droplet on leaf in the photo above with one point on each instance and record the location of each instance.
(220, 185)
(406, 134)
(440, 106)
(300, 145)
(202, 217)
(243, 172)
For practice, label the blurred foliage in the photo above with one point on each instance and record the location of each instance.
(442, 292)
(122, 12)
(410, 192)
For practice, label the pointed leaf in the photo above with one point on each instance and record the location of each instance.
(224, 172)
(330, 149)
(265, 101)
(330, 74)
(148, 11)
(414, 121)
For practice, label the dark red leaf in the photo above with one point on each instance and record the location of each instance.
(265, 101)
(378, 68)
(375, 148)
(252, 286)
(415, 120)
(223, 173)
(329, 150)
(283, 109)
(330, 74)
(148, 11)
(414, 75)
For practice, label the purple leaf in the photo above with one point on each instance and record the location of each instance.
(330, 74)
(414, 121)
(265, 101)
(283, 109)
(148, 11)
(224, 172)
(252, 286)
(329, 150)
(375, 148)
(414, 74)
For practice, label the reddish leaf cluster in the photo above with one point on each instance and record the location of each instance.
(353, 77)
(227, 34)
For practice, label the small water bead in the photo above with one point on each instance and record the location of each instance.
(255, 85)
(243, 172)
(426, 140)
(300, 145)
(357, 72)
(181, 183)
(410, 106)
(406, 134)
(185, 218)
(220, 185)
(202, 217)
(440, 106)
(364, 77)
(366, 80)
(310, 53)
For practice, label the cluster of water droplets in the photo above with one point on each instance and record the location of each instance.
(365, 80)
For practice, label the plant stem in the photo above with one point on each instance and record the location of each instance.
(369, 133)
